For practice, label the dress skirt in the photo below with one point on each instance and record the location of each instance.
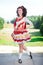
(21, 36)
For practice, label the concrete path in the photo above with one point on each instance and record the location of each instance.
(9, 56)
(12, 59)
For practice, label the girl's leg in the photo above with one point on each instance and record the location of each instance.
(20, 53)
(27, 51)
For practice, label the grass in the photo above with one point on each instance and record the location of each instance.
(8, 25)
(35, 41)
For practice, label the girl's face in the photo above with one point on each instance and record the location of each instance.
(20, 11)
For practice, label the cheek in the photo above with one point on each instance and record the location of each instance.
(20, 12)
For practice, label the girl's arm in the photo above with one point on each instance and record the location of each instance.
(28, 22)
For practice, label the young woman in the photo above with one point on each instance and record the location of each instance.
(20, 34)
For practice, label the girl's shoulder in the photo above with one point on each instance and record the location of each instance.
(16, 19)
(25, 18)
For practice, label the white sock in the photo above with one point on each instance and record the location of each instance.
(20, 55)
(27, 51)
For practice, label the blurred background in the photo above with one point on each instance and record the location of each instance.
(7, 17)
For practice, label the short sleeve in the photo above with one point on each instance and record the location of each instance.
(28, 21)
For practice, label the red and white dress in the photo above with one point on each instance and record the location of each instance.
(20, 33)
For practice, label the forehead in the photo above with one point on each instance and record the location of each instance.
(19, 8)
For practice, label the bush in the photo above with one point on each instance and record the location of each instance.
(1, 25)
(37, 25)
(41, 29)
(41, 19)
(1, 22)
(12, 21)
(36, 21)
(7, 22)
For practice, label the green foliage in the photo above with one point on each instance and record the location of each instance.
(37, 21)
(41, 20)
(12, 21)
(32, 18)
(1, 22)
(41, 29)
(7, 22)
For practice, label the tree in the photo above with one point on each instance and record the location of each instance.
(1, 22)
(41, 19)
(41, 29)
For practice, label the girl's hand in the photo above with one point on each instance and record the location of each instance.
(27, 26)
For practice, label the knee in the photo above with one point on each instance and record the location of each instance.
(20, 46)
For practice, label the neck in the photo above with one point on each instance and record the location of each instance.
(20, 16)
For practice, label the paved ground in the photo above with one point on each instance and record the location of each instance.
(9, 56)
(12, 59)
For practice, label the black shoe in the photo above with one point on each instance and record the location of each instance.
(20, 61)
(30, 55)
